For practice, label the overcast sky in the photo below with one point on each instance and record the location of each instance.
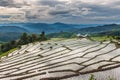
(67, 11)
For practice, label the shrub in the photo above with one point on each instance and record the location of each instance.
(92, 77)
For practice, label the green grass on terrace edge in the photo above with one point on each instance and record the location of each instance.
(103, 38)
(6, 53)
(57, 39)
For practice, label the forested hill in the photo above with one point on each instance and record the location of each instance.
(12, 31)
(98, 29)
(15, 30)
(105, 30)
(39, 27)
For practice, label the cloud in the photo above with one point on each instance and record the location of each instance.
(58, 12)
(12, 3)
(51, 3)
(71, 11)
(11, 15)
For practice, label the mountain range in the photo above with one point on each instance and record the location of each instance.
(13, 31)
(39, 27)
(98, 29)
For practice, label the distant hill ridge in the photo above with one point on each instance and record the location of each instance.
(99, 29)
(48, 28)
(12, 29)
(16, 29)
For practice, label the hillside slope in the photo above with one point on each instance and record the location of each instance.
(66, 59)
(12, 29)
(98, 29)
(9, 36)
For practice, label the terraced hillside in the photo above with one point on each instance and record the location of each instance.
(72, 59)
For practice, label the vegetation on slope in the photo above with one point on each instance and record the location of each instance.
(108, 33)
(106, 36)
(24, 39)
(98, 29)
(6, 53)
(92, 77)
(95, 36)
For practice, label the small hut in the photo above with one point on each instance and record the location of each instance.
(79, 36)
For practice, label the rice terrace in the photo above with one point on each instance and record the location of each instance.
(59, 39)
(71, 59)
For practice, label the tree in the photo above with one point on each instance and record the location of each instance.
(92, 77)
(29, 39)
(13, 43)
(42, 36)
(23, 39)
(2, 47)
(19, 46)
(34, 37)
(5, 47)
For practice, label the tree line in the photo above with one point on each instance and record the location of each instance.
(24, 39)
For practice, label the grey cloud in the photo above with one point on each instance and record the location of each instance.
(5, 3)
(11, 3)
(59, 12)
(80, 12)
(51, 3)
(31, 14)
(103, 11)
(31, 17)
(76, 11)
